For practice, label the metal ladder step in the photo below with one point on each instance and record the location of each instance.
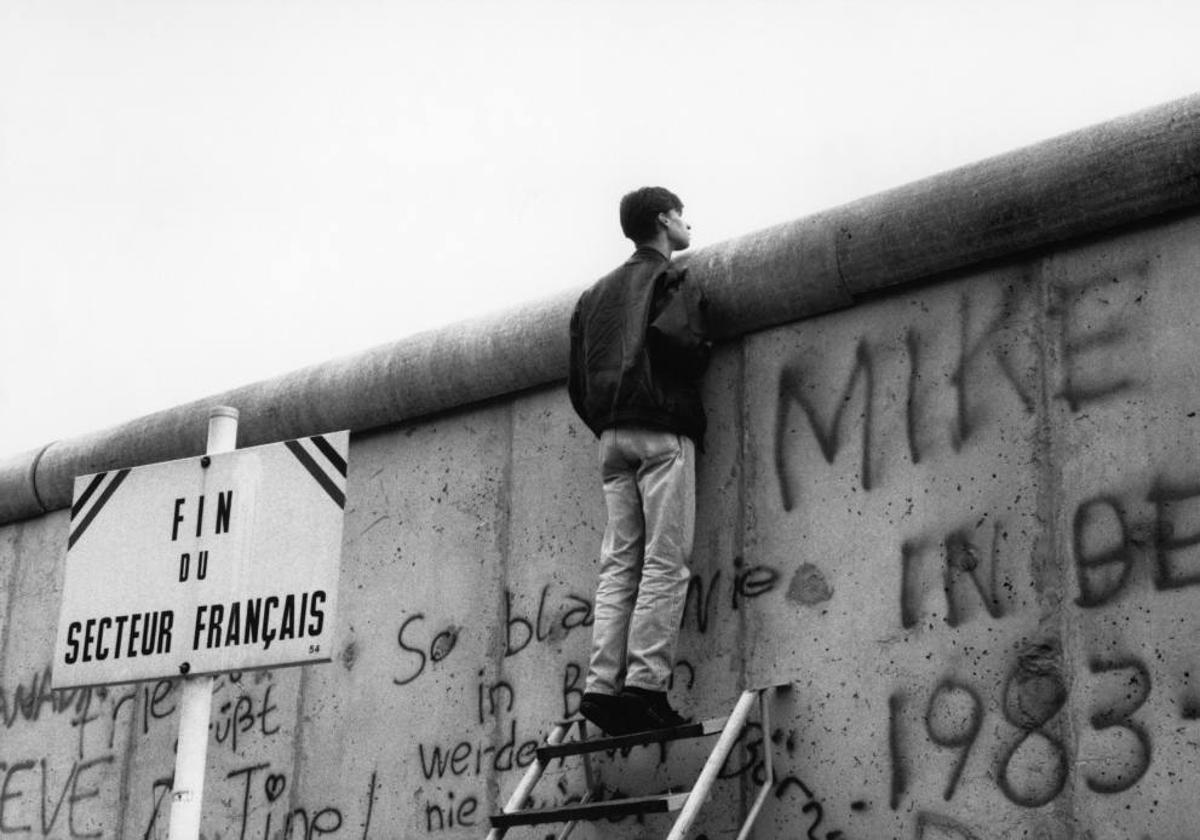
(661, 804)
(699, 729)
(687, 804)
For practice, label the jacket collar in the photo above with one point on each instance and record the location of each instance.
(644, 253)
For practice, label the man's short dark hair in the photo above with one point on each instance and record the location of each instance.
(640, 209)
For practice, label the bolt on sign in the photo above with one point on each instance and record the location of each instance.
(224, 562)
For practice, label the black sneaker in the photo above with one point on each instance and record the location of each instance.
(651, 709)
(608, 712)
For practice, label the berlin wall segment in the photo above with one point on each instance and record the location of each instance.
(980, 580)
(1020, 448)
(986, 599)
(975, 581)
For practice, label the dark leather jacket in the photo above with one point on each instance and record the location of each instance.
(623, 371)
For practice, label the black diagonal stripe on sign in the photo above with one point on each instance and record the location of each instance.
(325, 481)
(101, 502)
(335, 458)
(87, 494)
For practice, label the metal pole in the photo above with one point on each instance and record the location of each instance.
(764, 703)
(195, 709)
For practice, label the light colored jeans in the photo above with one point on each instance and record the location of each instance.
(650, 492)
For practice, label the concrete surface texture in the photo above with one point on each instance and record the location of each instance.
(961, 519)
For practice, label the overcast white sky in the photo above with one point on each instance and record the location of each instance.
(196, 195)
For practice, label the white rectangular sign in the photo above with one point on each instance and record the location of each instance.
(223, 562)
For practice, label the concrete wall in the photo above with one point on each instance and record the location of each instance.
(961, 517)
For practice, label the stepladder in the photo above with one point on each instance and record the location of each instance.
(571, 738)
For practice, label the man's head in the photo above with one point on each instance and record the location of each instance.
(653, 215)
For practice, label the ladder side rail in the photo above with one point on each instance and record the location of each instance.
(529, 780)
(589, 780)
(704, 783)
(765, 698)
(569, 828)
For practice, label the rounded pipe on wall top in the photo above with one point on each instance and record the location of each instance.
(1085, 182)
(1096, 179)
(412, 377)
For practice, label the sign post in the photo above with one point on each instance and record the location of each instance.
(191, 756)
(224, 562)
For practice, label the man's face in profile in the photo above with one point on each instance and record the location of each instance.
(679, 232)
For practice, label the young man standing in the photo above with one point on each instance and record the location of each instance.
(638, 351)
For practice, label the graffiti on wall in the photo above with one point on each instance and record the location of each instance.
(501, 739)
(48, 793)
(1000, 355)
(1067, 347)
